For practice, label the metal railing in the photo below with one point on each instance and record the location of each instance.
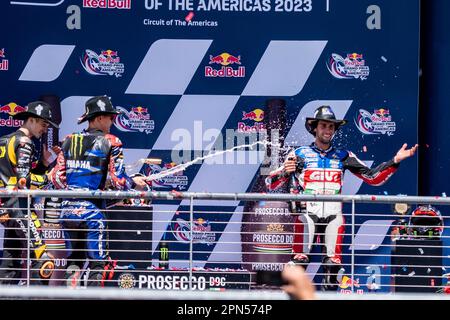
(153, 223)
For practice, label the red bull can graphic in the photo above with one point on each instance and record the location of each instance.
(226, 71)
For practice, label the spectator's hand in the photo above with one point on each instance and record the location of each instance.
(299, 285)
(404, 153)
(141, 183)
(290, 163)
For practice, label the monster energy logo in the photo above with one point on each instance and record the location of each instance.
(164, 254)
(77, 143)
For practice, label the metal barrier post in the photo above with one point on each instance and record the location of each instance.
(191, 242)
(29, 238)
(353, 246)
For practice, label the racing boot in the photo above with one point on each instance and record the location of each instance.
(10, 270)
(299, 259)
(100, 272)
(331, 266)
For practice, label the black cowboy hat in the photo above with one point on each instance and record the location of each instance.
(37, 109)
(324, 113)
(96, 106)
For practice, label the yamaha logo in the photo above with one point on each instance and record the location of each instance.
(126, 281)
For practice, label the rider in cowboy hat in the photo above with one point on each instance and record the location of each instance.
(319, 169)
(17, 171)
(88, 159)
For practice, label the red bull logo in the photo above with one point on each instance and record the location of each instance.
(109, 53)
(381, 115)
(109, 56)
(347, 282)
(255, 115)
(139, 110)
(225, 60)
(354, 56)
(381, 112)
(12, 108)
(107, 4)
(4, 64)
(135, 120)
(169, 165)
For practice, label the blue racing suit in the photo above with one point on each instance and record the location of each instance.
(87, 159)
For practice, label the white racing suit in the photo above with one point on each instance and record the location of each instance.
(322, 172)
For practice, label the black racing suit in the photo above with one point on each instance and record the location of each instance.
(87, 159)
(17, 167)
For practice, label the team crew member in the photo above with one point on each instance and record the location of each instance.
(16, 161)
(319, 169)
(87, 159)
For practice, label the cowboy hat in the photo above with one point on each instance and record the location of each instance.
(324, 113)
(37, 109)
(96, 106)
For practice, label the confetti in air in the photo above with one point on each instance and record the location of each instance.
(189, 16)
(365, 149)
(384, 58)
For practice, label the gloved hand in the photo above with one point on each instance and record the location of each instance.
(4, 216)
(38, 181)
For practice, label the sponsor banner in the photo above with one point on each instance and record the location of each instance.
(107, 4)
(177, 180)
(201, 231)
(4, 63)
(378, 122)
(252, 121)
(353, 66)
(135, 120)
(225, 62)
(6, 113)
(214, 280)
(107, 62)
(267, 236)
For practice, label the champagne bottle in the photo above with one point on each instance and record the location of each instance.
(164, 254)
(267, 226)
